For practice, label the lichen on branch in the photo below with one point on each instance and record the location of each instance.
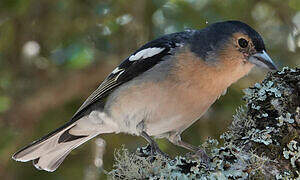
(262, 142)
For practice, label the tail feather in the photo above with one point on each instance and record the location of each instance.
(50, 166)
(50, 151)
(48, 154)
(55, 157)
(35, 150)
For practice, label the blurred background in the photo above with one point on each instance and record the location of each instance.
(54, 53)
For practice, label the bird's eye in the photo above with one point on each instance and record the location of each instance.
(243, 43)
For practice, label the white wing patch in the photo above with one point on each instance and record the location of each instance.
(145, 53)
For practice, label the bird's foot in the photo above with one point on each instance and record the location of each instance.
(155, 151)
(202, 155)
(151, 151)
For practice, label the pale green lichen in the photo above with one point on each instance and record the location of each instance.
(287, 119)
(262, 142)
(292, 152)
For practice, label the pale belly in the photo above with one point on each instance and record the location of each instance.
(158, 108)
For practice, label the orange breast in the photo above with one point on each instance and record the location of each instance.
(178, 101)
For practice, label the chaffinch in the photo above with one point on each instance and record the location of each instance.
(159, 90)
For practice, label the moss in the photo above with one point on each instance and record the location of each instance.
(262, 141)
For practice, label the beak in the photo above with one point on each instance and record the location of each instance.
(262, 59)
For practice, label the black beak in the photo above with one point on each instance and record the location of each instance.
(262, 59)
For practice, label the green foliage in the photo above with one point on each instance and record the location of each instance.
(4, 103)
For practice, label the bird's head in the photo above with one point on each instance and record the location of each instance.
(237, 40)
(232, 42)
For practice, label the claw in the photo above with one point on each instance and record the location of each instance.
(154, 147)
(151, 152)
(202, 155)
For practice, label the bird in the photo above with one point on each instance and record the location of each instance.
(158, 91)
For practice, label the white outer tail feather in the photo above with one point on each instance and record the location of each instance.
(39, 149)
(55, 157)
(49, 153)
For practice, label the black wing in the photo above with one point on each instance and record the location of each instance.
(134, 65)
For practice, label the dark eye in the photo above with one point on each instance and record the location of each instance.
(243, 43)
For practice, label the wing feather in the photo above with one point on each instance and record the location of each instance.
(139, 62)
(107, 85)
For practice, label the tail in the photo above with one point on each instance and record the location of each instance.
(49, 152)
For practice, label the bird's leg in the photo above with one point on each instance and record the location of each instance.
(154, 147)
(176, 139)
